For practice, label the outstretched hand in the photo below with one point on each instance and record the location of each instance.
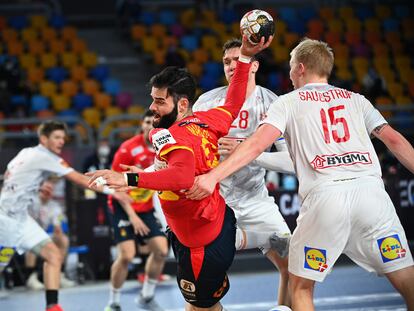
(203, 186)
(112, 179)
(248, 49)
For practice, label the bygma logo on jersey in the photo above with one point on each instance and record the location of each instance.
(315, 259)
(390, 248)
(346, 159)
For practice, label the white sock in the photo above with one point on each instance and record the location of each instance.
(114, 295)
(246, 239)
(148, 288)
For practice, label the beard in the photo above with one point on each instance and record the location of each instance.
(167, 120)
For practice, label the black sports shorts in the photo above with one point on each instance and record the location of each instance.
(212, 261)
(123, 230)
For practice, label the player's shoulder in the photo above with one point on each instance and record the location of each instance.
(266, 93)
(40, 152)
(219, 92)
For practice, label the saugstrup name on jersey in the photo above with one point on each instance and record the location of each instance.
(346, 159)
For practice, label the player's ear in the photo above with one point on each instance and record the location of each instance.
(301, 68)
(43, 139)
(255, 66)
(183, 104)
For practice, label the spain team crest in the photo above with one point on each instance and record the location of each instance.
(315, 259)
(390, 248)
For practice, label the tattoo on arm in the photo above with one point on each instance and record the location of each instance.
(379, 128)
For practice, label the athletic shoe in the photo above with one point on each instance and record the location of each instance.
(280, 244)
(54, 308)
(113, 307)
(148, 303)
(33, 282)
(66, 283)
(161, 278)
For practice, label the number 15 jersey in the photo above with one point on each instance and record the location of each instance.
(327, 130)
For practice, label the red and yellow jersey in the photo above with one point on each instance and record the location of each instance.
(135, 151)
(195, 223)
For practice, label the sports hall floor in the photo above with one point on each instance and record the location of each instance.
(347, 288)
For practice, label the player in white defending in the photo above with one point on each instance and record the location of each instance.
(258, 216)
(345, 208)
(24, 175)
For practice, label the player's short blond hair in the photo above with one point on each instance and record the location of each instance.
(316, 55)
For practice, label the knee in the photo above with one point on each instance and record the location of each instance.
(297, 283)
(160, 254)
(53, 255)
(125, 257)
(61, 240)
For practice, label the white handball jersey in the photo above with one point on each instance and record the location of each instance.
(25, 172)
(249, 179)
(327, 130)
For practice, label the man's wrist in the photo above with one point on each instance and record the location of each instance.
(245, 59)
(106, 190)
(131, 179)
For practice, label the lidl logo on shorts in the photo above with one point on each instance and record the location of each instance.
(6, 253)
(315, 259)
(390, 248)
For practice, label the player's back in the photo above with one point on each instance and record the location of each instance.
(328, 133)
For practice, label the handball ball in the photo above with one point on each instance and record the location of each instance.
(256, 24)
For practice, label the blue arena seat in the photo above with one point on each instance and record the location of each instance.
(167, 17)
(100, 72)
(148, 18)
(18, 22)
(112, 86)
(39, 102)
(57, 21)
(57, 74)
(189, 42)
(391, 24)
(81, 101)
(213, 69)
(307, 13)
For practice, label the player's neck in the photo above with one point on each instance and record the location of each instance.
(314, 79)
(251, 85)
(184, 115)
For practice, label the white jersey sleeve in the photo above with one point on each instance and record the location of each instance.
(372, 116)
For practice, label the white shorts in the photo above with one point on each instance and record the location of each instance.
(49, 214)
(261, 213)
(355, 217)
(23, 234)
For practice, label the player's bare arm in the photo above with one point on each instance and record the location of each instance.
(379, 128)
(246, 152)
(397, 144)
